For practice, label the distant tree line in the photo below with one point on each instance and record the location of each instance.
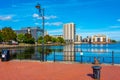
(7, 34)
(113, 41)
(49, 39)
(25, 38)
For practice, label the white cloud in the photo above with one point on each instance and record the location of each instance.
(35, 15)
(50, 24)
(53, 24)
(118, 20)
(5, 18)
(57, 31)
(50, 17)
(114, 27)
(46, 17)
(37, 23)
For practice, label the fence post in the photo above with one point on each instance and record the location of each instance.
(46, 56)
(10, 54)
(81, 54)
(81, 58)
(54, 55)
(103, 59)
(112, 58)
(20, 54)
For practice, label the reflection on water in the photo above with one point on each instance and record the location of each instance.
(65, 53)
(101, 50)
(25, 53)
(69, 54)
(68, 51)
(93, 48)
(33, 53)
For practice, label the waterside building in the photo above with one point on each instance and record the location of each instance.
(34, 31)
(69, 32)
(100, 39)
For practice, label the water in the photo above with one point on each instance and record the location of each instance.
(71, 53)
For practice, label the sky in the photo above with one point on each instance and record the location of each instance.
(91, 17)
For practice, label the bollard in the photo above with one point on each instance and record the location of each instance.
(96, 72)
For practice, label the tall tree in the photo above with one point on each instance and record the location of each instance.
(29, 39)
(20, 37)
(1, 37)
(47, 38)
(28, 35)
(54, 39)
(60, 40)
(40, 39)
(8, 34)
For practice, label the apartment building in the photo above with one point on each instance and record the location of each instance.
(69, 32)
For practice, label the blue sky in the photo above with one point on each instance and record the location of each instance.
(90, 16)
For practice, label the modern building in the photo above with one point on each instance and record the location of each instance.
(100, 39)
(78, 38)
(69, 32)
(87, 39)
(35, 31)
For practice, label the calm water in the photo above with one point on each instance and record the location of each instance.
(71, 53)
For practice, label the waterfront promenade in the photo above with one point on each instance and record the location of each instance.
(15, 46)
(32, 70)
(24, 45)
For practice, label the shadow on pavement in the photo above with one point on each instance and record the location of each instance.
(90, 75)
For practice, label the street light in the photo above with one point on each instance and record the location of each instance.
(41, 14)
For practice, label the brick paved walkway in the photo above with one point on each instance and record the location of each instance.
(26, 70)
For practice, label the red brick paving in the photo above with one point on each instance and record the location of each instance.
(26, 70)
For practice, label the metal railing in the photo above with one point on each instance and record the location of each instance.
(71, 56)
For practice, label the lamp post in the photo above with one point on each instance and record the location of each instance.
(41, 14)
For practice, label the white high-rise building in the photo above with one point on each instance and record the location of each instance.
(69, 32)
